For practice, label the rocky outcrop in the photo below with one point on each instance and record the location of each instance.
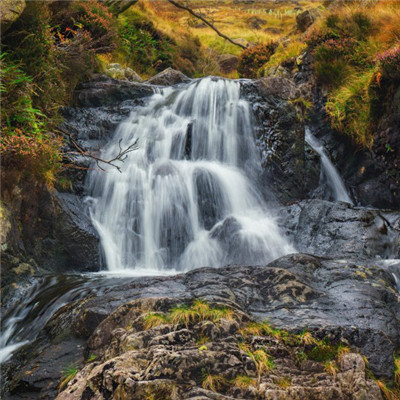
(9, 12)
(305, 19)
(105, 91)
(290, 171)
(342, 301)
(339, 230)
(235, 359)
(168, 77)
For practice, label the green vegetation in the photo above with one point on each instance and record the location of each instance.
(243, 381)
(67, 375)
(187, 315)
(45, 53)
(391, 390)
(355, 48)
(254, 58)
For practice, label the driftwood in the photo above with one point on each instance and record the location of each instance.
(189, 10)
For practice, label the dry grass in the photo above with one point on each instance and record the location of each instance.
(278, 21)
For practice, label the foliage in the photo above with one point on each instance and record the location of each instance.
(389, 61)
(148, 50)
(354, 49)
(349, 108)
(67, 375)
(243, 381)
(187, 315)
(253, 58)
(285, 52)
(213, 382)
(25, 143)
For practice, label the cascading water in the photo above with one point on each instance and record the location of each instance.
(187, 196)
(334, 180)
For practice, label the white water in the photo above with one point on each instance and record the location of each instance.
(187, 196)
(334, 180)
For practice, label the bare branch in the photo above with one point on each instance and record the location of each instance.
(121, 156)
(183, 7)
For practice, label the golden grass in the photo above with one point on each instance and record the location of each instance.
(230, 18)
(243, 381)
(213, 382)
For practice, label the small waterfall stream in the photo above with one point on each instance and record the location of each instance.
(189, 191)
(333, 178)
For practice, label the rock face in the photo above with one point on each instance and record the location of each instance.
(105, 91)
(339, 230)
(344, 301)
(167, 361)
(288, 170)
(10, 11)
(168, 77)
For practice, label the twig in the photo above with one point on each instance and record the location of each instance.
(121, 156)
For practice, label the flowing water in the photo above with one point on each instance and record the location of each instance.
(187, 196)
(328, 170)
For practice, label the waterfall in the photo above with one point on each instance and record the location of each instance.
(187, 197)
(334, 180)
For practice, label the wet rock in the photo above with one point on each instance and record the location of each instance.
(334, 299)
(339, 230)
(168, 77)
(105, 91)
(77, 240)
(287, 168)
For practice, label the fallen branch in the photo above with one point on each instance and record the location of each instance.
(189, 10)
(121, 156)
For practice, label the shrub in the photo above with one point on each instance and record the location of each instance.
(253, 58)
(389, 61)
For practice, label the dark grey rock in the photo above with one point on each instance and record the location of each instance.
(340, 230)
(105, 91)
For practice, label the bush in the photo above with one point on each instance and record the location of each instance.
(253, 58)
(389, 61)
(26, 144)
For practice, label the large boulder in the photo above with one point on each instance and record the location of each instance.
(168, 77)
(340, 230)
(105, 91)
(305, 19)
(10, 11)
(228, 63)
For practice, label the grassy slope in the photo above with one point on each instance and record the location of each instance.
(230, 18)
